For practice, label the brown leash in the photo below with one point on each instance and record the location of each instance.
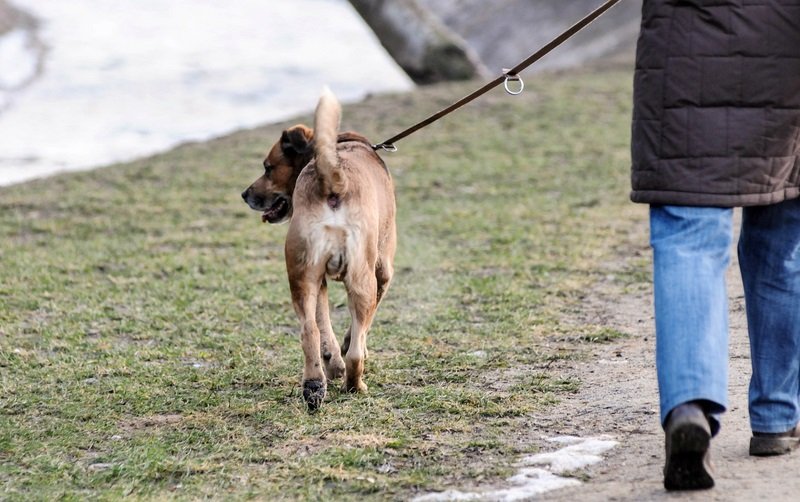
(511, 75)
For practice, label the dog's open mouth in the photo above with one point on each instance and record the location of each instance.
(277, 211)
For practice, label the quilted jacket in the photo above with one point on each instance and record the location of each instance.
(716, 116)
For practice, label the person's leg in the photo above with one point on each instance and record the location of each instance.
(769, 257)
(691, 252)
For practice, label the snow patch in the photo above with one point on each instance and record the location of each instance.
(579, 454)
(530, 481)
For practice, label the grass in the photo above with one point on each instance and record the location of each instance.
(148, 347)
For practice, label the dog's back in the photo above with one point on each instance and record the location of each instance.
(344, 205)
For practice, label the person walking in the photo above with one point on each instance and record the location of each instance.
(716, 125)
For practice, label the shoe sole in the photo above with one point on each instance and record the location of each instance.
(686, 467)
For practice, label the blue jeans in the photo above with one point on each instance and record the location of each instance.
(691, 252)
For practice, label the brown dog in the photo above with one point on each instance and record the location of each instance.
(339, 199)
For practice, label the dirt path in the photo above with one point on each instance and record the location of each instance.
(618, 397)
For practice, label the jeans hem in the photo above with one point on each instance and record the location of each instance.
(714, 408)
(774, 429)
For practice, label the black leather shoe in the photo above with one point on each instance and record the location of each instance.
(688, 439)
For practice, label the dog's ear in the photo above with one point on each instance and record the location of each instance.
(296, 141)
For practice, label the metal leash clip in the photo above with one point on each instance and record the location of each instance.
(512, 78)
(386, 147)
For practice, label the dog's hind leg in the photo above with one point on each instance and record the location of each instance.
(329, 347)
(384, 268)
(346, 343)
(305, 295)
(383, 276)
(362, 292)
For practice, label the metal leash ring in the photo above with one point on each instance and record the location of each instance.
(513, 78)
(507, 75)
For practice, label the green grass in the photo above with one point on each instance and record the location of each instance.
(148, 347)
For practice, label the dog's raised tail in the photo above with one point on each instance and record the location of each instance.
(326, 132)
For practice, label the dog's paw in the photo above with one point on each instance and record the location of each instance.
(358, 387)
(334, 368)
(313, 394)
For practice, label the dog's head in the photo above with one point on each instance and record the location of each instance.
(272, 192)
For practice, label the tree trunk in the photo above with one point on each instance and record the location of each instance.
(423, 47)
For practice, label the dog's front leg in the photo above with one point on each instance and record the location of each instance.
(305, 295)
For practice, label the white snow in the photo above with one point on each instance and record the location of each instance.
(128, 78)
(578, 454)
(530, 481)
(523, 485)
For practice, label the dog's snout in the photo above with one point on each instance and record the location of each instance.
(246, 193)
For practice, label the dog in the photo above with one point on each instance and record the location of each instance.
(338, 197)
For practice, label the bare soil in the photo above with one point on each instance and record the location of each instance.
(619, 397)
